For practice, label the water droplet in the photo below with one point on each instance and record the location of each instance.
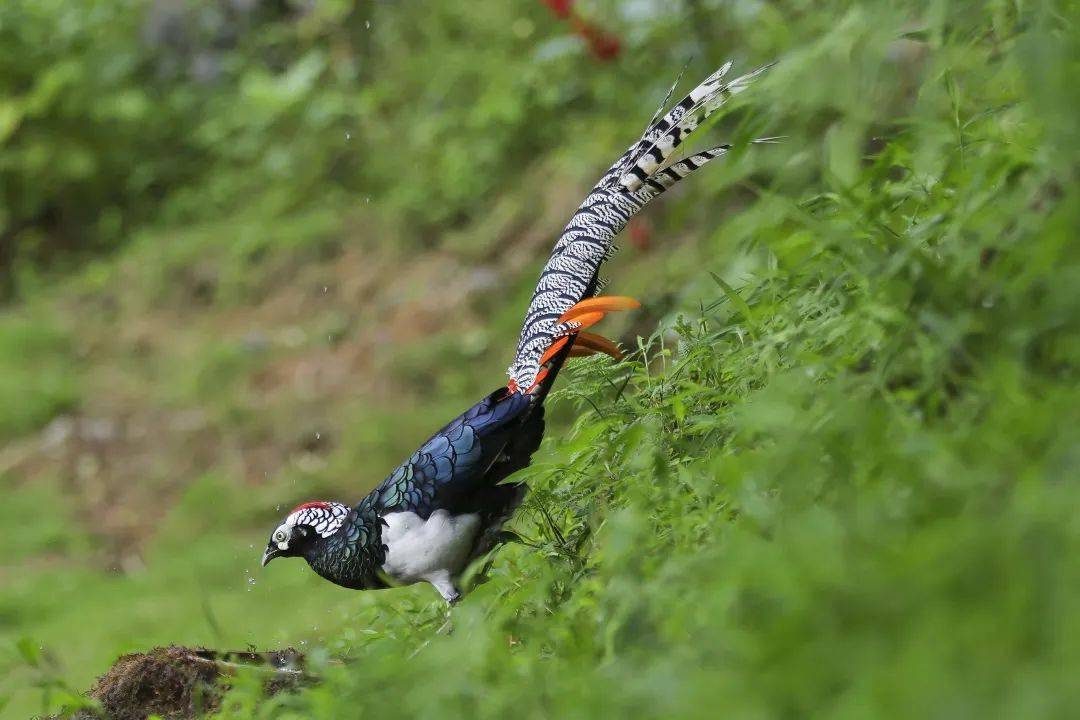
(367, 24)
(325, 288)
(318, 436)
(348, 136)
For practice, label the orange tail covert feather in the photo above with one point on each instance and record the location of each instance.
(602, 304)
(597, 344)
(579, 351)
(588, 319)
(553, 350)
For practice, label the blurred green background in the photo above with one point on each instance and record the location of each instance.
(252, 252)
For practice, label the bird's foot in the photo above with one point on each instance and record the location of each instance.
(446, 587)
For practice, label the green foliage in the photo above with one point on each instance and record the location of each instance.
(50, 535)
(834, 482)
(121, 115)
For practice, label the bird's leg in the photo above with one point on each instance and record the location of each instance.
(445, 585)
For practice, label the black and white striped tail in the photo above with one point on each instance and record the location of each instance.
(643, 172)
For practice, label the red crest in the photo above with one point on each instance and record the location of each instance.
(313, 504)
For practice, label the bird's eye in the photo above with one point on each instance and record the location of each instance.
(279, 536)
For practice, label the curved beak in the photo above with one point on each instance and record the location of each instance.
(271, 553)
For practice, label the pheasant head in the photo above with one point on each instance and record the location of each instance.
(300, 533)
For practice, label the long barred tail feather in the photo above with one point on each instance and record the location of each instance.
(681, 114)
(681, 121)
(643, 172)
(634, 150)
(663, 104)
(666, 177)
(655, 128)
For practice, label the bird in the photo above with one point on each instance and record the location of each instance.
(445, 506)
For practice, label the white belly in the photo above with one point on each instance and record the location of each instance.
(434, 550)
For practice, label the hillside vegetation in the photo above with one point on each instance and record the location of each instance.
(254, 255)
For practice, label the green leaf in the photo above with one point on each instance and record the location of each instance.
(738, 303)
(29, 651)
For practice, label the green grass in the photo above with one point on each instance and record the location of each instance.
(835, 479)
(38, 376)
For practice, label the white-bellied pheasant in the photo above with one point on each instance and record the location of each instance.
(445, 505)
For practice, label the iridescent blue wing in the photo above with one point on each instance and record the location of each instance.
(447, 469)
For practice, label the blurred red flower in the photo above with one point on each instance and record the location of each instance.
(602, 44)
(561, 8)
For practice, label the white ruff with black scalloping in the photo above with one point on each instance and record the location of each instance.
(324, 517)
